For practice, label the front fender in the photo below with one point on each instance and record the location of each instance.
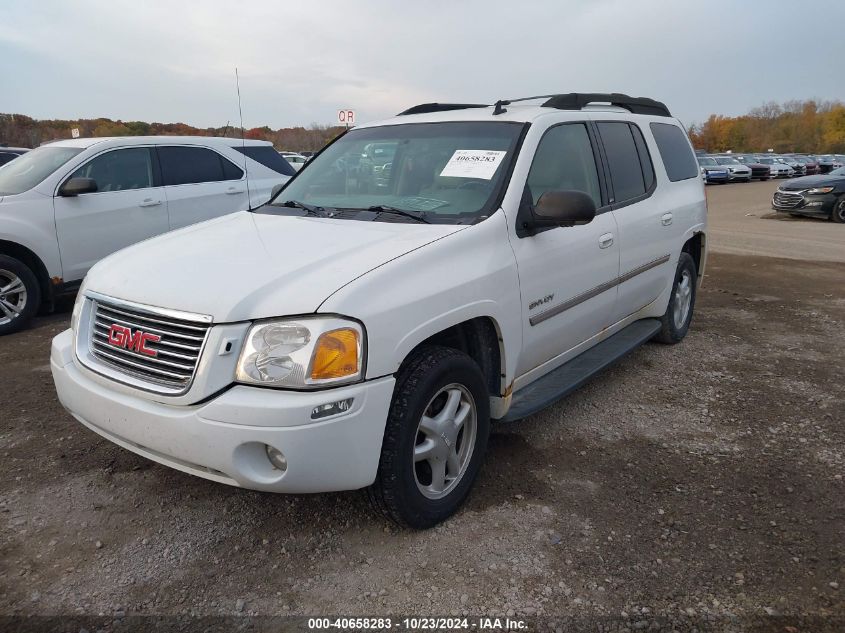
(468, 274)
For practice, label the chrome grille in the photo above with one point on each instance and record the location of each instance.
(170, 361)
(786, 200)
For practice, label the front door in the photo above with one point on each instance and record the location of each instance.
(127, 207)
(567, 274)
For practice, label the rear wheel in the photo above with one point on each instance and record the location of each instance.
(20, 295)
(838, 213)
(676, 320)
(435, 438)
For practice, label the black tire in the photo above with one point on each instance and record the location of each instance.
(27, 304)
(395, 492)
(838, 213)
(670, 332)
(764, 179)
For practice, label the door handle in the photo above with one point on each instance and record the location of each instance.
(606, 240)
(666, 220)
(149, 202)
(233, 190)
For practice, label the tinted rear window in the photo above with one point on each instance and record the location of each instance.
(675, 151)
(623, 160)
(268, 157)
(187, 165)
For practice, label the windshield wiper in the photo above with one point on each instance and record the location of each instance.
(413, 215)
(320, 212)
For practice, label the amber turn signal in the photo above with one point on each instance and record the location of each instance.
(336, 355)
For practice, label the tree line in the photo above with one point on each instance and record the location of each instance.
(19, 130)
(809, 127)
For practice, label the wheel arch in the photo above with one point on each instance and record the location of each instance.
(28, 257)
(696, 246)
(481, 339)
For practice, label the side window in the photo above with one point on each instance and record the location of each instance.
(623, 160)
(564, 161)
(645, 157)
(119, 170)
(267, 156)
(187, 165)
(230, 170)
(675, 151)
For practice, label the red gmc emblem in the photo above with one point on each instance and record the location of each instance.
(136, 341)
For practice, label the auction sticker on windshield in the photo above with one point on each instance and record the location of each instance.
(473, 163)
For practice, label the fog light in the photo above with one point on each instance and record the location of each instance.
(331, 408)
(276, 458)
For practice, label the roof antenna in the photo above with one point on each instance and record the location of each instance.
(243, 139)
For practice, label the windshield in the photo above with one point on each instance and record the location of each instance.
(23, 173)
(727, 161)
(767, 161)
(706, 162)
(448, 172)
(840, 171)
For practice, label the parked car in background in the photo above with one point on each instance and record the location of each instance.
(8, 154)
(820, 196)
(711, 171)
(297, 161)
(810, 165)
(737, 172)
(828, 162)
(759, 171)
(799, 168)
(777, 168)
(66, 205)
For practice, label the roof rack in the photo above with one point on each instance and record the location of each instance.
(569, 101)
(636, 105)
(425, 108)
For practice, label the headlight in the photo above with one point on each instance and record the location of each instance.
(819, 190)
(304, 353)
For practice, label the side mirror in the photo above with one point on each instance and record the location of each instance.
(276, 189)
(76, 186)
(561, 208)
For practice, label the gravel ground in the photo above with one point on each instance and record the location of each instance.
(698, 485)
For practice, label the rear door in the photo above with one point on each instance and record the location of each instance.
(200, 184)
(643, 218)
(128, 206)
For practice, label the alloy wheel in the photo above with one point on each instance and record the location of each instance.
(683, 299)
(445, 441)
(12, 296)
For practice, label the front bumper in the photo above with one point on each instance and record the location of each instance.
(224, 439)
(741, 175)
(819, 205)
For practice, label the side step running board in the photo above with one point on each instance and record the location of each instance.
(568, 377)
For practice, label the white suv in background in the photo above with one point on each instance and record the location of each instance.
(68, 204)
(363, 328)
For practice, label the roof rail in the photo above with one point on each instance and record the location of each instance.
(636, 105)
(424, 108)
(569, 101)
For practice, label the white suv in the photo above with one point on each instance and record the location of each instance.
(362, 330)
(68, 204)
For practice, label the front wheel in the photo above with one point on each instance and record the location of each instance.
(838, 213)
(675, 321)
(20, 295)
(435, 438)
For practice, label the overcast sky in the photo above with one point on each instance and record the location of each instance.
(300, 61)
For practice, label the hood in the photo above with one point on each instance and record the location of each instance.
(250, 265)
(806, 182)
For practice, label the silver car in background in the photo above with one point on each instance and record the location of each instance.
(737, 172)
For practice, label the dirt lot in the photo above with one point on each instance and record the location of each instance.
(702, 483)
